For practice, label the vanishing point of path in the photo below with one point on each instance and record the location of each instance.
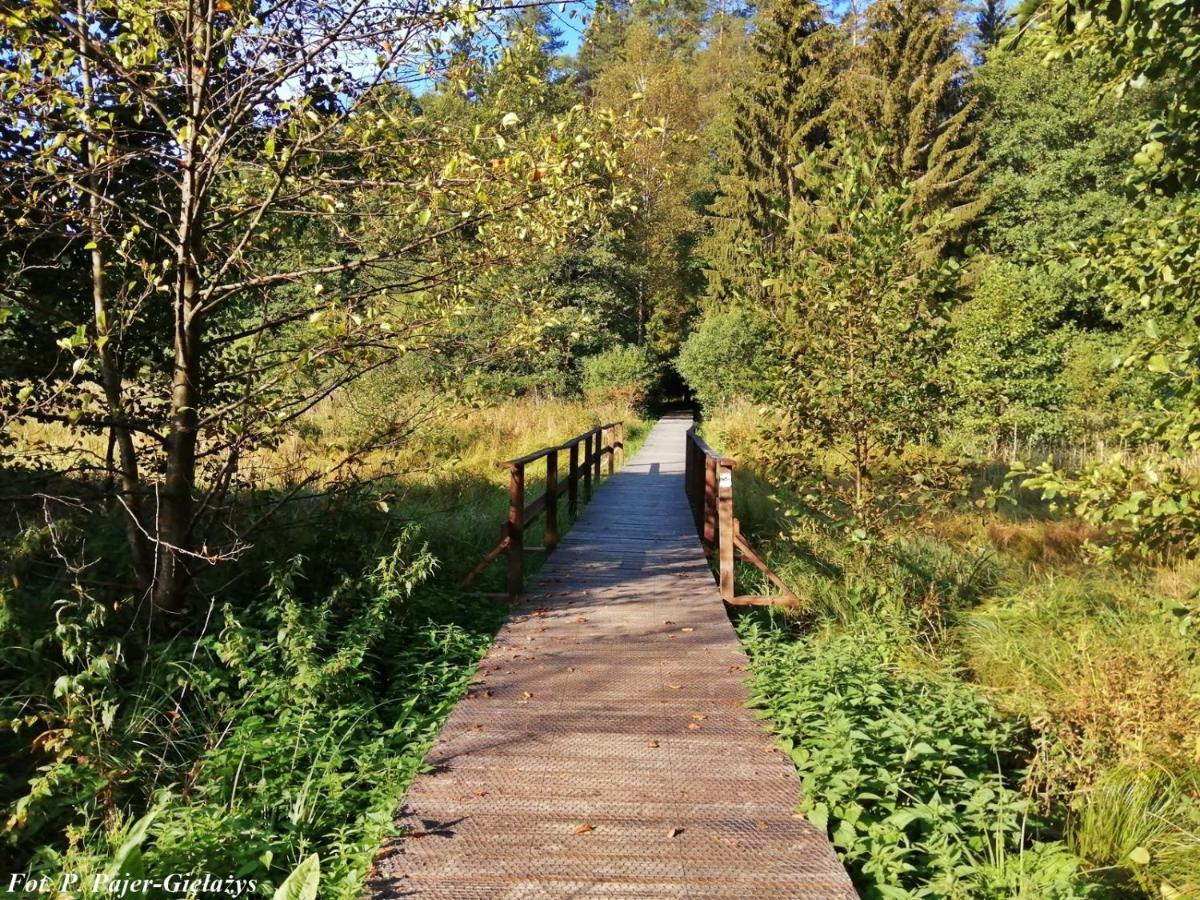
(605, 749)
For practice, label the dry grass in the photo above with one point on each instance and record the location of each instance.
(1098, 670)
(1054, 542)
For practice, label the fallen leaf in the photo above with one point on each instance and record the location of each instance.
(761, 826)
(581, 619)
(693, 726)
(651, 743)
(583, 828)
(674, 687)
(699, 717)
(687, 629)
(674, 831)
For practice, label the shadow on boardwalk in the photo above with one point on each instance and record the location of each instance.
(604, 749)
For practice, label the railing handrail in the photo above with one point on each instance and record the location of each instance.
(535, 455)
(708, 451)
(708, 481)
(522, 514)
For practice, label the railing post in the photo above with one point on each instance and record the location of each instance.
(598, 440)
(620, 447)
(573, 479)
(550, 541)
(612, 448)
(587, 468)
(516, 529)
(710, 501)
(725, 528)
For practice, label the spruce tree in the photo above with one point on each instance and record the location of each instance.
(904, 88)
(781, 114)
(991, 24)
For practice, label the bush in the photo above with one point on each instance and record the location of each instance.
(913, 775)
(727, 358)
(623, 375)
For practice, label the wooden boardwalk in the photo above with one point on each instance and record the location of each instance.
(604, 749)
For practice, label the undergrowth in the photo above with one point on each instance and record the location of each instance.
(1053, 698)
(286, 712)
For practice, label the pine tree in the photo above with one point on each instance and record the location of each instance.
(602, 42)
(781, 115)
(991, 23)
(904, 88)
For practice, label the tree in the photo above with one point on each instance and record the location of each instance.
(294, 222)
(860, 332)
(1147, 266)
(781, 115)
(904, 85)
(728, 357)
(658, 169)
(992, 20)
(1057, 160)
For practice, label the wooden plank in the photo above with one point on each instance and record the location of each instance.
(761, 600)
(757, 561)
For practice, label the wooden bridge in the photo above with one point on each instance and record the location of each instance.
(604, 749)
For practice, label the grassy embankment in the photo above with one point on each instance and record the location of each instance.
(976, 708)
(287, 712)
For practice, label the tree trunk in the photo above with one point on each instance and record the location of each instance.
(127, 476)
(176, 515)
(175, 512)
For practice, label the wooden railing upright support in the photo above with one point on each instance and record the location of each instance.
(573, 479)
(587, 467)
(550, 540)
(708, 480)
(724, 503)
(516, 527)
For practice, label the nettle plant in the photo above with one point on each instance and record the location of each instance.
(241, 209)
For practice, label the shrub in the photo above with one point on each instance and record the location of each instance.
(913, 774)
(727, 357)
(622, 375)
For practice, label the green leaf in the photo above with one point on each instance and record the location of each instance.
(128, 860)
(1158, 363)
(303, 882)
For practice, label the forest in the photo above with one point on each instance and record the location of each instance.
(282, 281)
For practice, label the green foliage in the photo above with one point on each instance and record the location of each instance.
(1057, 157)
(780, 116)
(728, 357)
(288, 727)
(860, 327)
(623, 374)
(909, 771)
(1147, 266)
(1005, 363)
(1142, 825)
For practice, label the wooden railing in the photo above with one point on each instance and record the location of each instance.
(708, 480)
(582, 466)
